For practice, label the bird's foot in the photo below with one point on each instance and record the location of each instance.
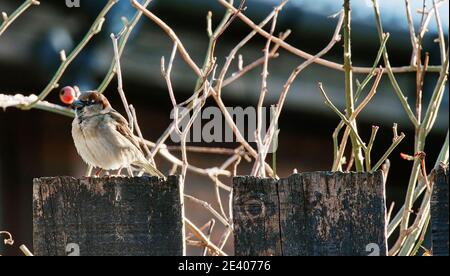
(119, 172)
(99, 171)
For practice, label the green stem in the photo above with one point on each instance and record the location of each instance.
(410, 241)
(371, 74)
(373, 135)
(436, 98)
(122, 43)
(422, 133)
(443, 158)
(212, 41)
(395, 85)
(330, 104)
(443, 155)
(10, 19)
(423, 233)
(338, 152)
(396, 142)
(95, 29)
(350, 105)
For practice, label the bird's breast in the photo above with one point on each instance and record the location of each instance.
(92, 141)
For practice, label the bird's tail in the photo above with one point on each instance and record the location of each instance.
(150, 169)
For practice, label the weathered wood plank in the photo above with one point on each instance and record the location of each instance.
(439, 213)
(256, 208)
(107, 216)
(319, 213)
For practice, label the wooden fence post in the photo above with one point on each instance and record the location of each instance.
(107, 216)
(439, 212)
(318, 213)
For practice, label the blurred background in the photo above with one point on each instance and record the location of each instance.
(37, 143)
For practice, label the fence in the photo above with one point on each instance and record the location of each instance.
(107, 216)
(319, 213)
(316, 213)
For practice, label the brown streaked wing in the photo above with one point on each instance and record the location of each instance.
(122, 128)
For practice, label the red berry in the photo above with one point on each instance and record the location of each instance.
(67, 95)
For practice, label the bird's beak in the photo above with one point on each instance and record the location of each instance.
(77, 104)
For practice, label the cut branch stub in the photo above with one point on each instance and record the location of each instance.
(107, 216)
(317, 213)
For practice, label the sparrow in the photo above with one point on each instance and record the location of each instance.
(102, 136)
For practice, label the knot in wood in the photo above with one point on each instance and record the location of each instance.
(255, 208)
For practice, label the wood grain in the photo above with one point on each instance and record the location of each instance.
(107, 216)
(318, 213)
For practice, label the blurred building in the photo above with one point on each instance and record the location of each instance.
(35, 143)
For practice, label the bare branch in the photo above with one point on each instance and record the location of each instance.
(412, 33)
(120, 84)
(205, 241)
(95, 29)
(395, 142)
(184, 54)
(279, 107)
(440, 31)
(125, 34)
(8, 20)
(265, 73)
(304, 55)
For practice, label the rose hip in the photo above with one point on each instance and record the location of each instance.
(67, 95)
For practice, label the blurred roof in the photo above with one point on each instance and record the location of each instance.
(393, 11)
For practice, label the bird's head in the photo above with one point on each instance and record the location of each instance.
(90, 103)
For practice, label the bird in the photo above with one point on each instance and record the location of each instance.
(102, 137)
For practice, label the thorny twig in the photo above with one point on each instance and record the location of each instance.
(349, 96)
(339, 149)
